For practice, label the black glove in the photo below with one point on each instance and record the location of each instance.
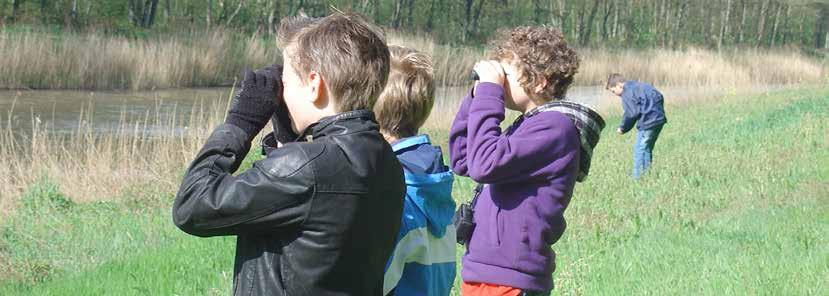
(257, 100)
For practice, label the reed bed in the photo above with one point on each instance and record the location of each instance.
(38, 60)
(95, 61)
(735, 68)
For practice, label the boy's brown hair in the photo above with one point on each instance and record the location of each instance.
(407, 100)
(614, 79)
(349, 52)
(540, 53)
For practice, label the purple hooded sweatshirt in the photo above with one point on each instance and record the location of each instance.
(529, 172)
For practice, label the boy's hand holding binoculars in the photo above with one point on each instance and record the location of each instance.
(257, 100)
(487, 71)
(490, 71)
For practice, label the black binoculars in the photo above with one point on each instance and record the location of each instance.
(474, 76)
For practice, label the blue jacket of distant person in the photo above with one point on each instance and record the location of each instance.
(642, 103)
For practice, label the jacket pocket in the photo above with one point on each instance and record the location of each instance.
(498, 226)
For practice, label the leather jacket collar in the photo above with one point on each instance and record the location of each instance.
(338, 124)
(342, 123)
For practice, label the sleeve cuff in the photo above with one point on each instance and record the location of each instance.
(489, 90)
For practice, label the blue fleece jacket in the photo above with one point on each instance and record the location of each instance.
(423, 260)
(643, 103)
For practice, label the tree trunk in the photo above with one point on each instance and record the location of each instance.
(209, 13)
(43, 14)
(430, 19)
(776, 22)
(786, 30)
(135, 8)
(562, 15)
(605, 19)
(615, 18)
(467, 18)
(742, 22)
(273, 17)
(73, 13)
(149, 13)
(588, 27)
(477, 16)
(376, 11)
(578, 24)
(761, 27)
(631, 24)
(666, 33)
(395, 19)
(679, 25)
(410, 16)
(724, 25)
(658, 23)
(537, 11)
(821, 26)
(556, 14)
(235, 12)
(15, 8)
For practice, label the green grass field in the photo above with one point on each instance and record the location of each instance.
(737, 203)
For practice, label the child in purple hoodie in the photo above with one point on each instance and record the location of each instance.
(528, 170)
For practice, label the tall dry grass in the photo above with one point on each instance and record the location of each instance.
(87, 165)
(693, 67)
(95, 61)
(696, 67)
(33, 59)
(452, 63)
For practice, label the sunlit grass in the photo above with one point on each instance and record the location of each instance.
(737, 203)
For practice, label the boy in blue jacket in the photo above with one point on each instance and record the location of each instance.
(643, 103)
(423, 260)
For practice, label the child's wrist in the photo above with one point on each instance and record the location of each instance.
(489, 89)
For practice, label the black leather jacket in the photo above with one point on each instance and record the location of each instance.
(313, 218)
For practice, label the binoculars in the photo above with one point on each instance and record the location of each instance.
(474, 76)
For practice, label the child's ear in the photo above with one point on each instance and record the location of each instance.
(539, 88)
(317, 85)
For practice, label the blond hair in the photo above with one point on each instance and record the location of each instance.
(405, 103)
(345, 49)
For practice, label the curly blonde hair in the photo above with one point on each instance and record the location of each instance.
(540, 53)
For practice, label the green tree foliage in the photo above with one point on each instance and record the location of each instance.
(594, 23)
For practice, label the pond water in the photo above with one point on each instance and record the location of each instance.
(63, 111)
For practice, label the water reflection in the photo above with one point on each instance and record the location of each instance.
(164, 112)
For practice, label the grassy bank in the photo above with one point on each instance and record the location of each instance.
(33, 59)
(736, 203)
(91, 166)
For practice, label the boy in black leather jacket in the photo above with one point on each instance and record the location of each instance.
(318, 216)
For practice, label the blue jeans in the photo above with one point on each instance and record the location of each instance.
(643, 150)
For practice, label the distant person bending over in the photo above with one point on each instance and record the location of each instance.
(315, 217)
(643, 103)
(423, 261)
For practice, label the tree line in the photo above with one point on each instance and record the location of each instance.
(588, 23)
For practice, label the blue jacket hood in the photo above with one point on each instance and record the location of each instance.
(428, 181)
